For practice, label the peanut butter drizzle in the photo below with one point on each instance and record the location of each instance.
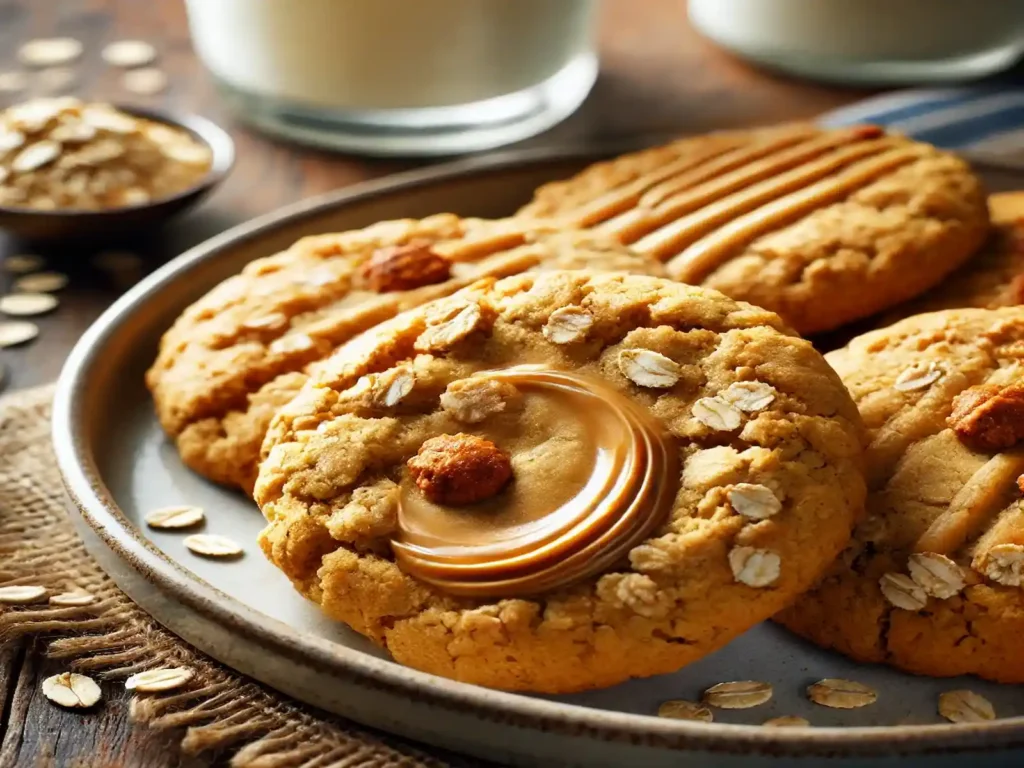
(726, 153)
(978, 502)
(626, 488)
(666, 202)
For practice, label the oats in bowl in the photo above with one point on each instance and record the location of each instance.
(65, 154)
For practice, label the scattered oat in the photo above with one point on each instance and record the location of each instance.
(50, 52)
(717, 413)
(754, 567)
(27, 304)
(12, 82)
(937, 575)
(181, 516)
(741, 694)
(154, 680)
(41, 282)
(75, 598)
(756, 502)
(919, 376)
(786, 721)
(129, 53)
(145, 82)
(22, 594)
(647, 368)
(903, 592)
(749, 396)
(17, 332)
(965, 707)
(69, 689)
(568, 325)
(841, 694)
(678, 709)
(20, 263)
(212, 545)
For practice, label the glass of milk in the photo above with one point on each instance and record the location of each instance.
(411, 77)
(869, 41)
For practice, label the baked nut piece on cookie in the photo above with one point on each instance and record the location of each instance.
(994, 277)
(240, 352)
(822, 226)
(559, 481)
(933, 580)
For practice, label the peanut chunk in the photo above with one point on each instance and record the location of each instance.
(460, 469)
(404, 267)
(989, 417)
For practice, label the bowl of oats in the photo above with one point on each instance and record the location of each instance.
(76, 169)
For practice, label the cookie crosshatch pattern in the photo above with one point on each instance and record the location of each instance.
(822, 226)
(377, 447)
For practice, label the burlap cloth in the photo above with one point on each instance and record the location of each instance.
(113, 638)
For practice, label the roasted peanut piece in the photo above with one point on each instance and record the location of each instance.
(460, 469)
(404, 267)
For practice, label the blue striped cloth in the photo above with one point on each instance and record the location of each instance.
(983, 123)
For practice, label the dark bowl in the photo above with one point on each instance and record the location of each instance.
(78, 224)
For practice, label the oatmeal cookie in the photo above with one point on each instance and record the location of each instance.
(241, 351)
(822, 226)
(558, 481)
(932, 581)
(994, 277)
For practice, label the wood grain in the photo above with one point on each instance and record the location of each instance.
(658, 78)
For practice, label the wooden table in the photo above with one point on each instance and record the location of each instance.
(657, 77)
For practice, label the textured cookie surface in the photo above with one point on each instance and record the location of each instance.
(238, 353)
(765, 442)
(994, 277)
(932, 581)
(823, 227)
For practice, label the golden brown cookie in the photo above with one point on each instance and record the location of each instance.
(932, 582)
(240, 352)
(994, 277)
(822, 226)
(559, 481)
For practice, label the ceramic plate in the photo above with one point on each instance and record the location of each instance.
(117, 465)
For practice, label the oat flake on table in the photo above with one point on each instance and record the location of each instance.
(50, 51)
(145, 82)
(212, 545)
(41, 282)
(72, 690)
(17, 332)
(129, 53)
(27, 304)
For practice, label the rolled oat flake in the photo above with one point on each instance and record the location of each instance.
(17, 332)
(129, 53)
(20, 263)
(71, 690)
(212, 545)
(27, 304)
(41, 282)
(50, 51)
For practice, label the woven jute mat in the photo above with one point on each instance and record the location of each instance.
(113, 638)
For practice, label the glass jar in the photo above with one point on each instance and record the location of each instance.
(869, 41)
(415, 77)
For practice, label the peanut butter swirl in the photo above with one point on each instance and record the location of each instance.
(625, 485)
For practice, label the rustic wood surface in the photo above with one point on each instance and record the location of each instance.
(658, 77)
